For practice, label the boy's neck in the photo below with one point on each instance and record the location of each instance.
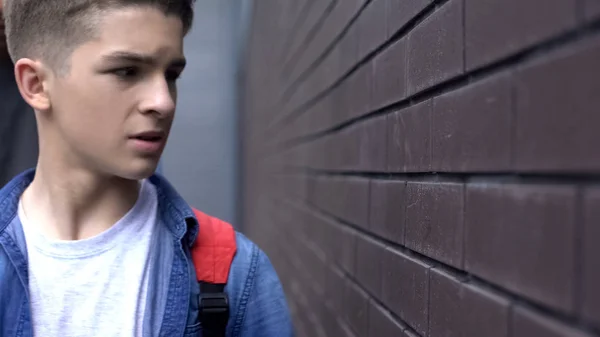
(74, 204)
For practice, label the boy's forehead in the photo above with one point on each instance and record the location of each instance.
(150, 39)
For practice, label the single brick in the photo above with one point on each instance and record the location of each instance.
(328, 240)
(499, 28)
(471, 128)
(381, 323)
(348, 45)
(326, 74)
(360, 92)
(400, 12)
(435, 48)
(356, 308)
(406, 288)
(369, 254)
(338, 110)
(348, 149)
(335, 291)
(335, 187)
(319, 191)
(592, 9)
(389, 75)
(590, 292)
(527, 323)
(371, 24)
(409, 140)
(522, 237)
(434, 220)
(352, 200)
(459, 310)
(372, 149)
(347, 259)
(387, 202)
(557, 119)
(316, 268)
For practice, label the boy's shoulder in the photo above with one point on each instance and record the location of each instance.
(225, 255)
(225, 250)
(256, 295)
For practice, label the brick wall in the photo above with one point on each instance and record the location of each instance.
(427, 168)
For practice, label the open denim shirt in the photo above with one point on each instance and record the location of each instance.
(257, 302)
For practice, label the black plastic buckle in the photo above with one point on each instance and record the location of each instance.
(214, 309)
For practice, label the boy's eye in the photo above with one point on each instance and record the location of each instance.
(172, 75)
(126, 72)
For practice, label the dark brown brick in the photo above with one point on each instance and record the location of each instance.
(371, 25)
(356, 308)
(328, 237)
(406, 288)
(381, 323)
(592, 9)
(435, 48)
(389, 75)
(352, 200)
(322, 194)
(499, 28)
(348, 153)
(459, 310)
(388, 199)
(335, 290)
(434, 220)
(526, 323)
(338, 111)
(347, 258)
(409, 141)
(557, 119)
(400, 12)
(348, 53)
(359, 84)
(372, 149)
(521, 237)
(590, 292)
(369, 254)
(472, 127)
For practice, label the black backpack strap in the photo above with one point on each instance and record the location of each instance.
(214, 309)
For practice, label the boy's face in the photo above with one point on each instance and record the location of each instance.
(113, 109)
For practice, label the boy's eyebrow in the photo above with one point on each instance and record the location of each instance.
(140, 58)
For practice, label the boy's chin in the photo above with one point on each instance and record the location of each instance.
(140, 172)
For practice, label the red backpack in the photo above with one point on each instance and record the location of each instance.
(212, 255)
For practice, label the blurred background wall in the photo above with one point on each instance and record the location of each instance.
(202, 155)
(427, 168)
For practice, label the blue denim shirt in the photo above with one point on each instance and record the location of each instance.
(257, 302)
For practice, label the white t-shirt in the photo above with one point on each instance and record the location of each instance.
(97, 286)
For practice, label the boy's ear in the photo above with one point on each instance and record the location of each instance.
(31, 77)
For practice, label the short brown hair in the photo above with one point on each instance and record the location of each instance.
(52, 29)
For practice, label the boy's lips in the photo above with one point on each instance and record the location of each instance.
(148, 141)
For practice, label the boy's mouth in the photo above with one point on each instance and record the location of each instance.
(150, 136)
(149, 141)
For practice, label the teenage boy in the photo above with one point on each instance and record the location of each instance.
(91, 242)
